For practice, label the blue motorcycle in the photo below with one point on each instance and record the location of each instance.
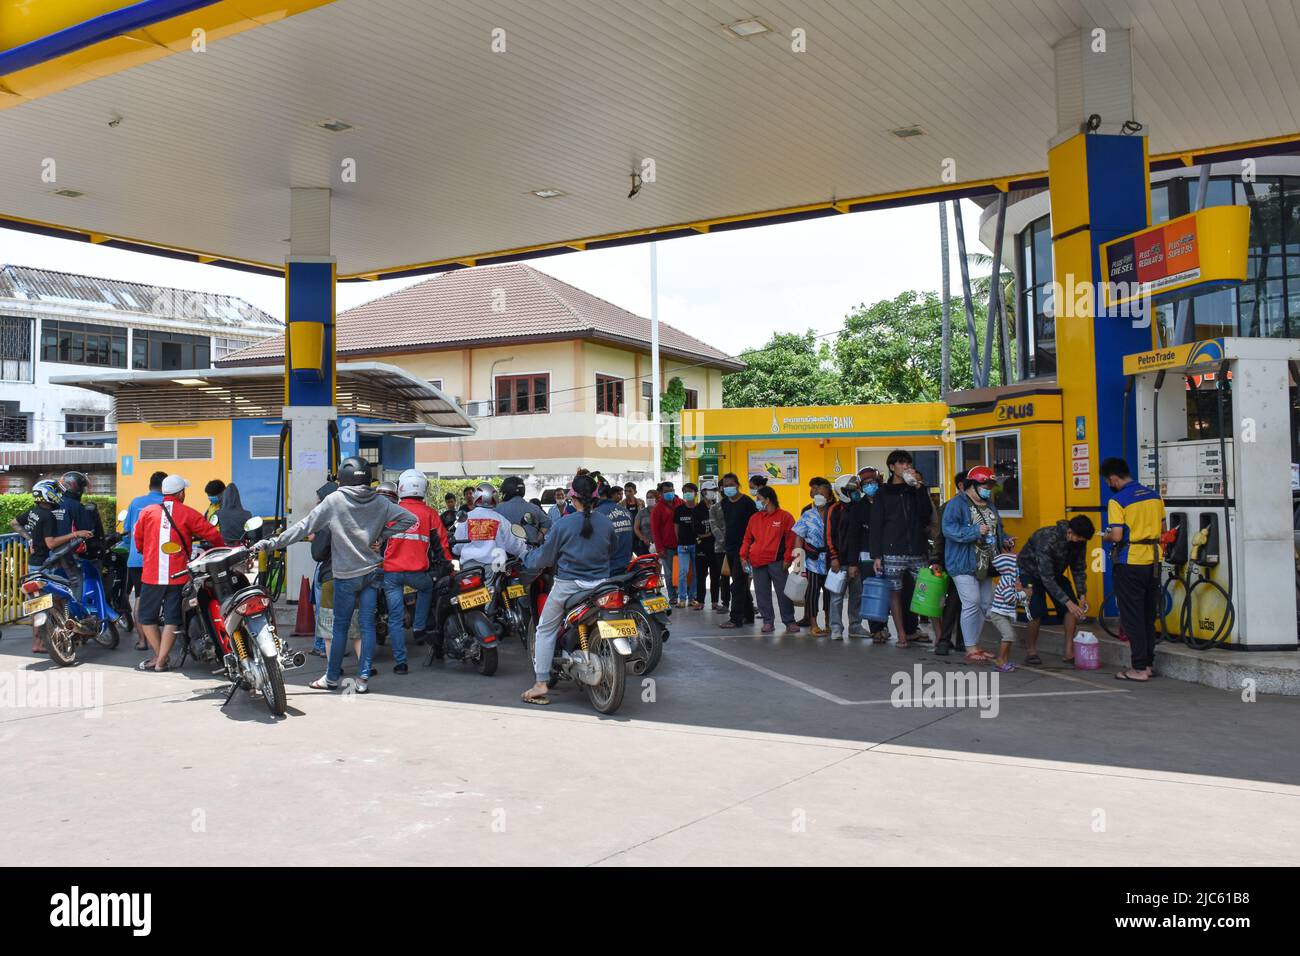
(65, 621)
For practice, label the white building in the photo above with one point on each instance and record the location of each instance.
(61, 324)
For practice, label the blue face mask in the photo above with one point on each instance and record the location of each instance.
(871, 488)
(986, 493)
(855, 495)
(730, 490)
(668, 496)
(688, 495)
(214, 498)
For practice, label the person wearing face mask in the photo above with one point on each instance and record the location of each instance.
(709, 550)
(902, 524)
(213, 490)
(737, 509)
(663, 531)
(847, 491)
(686, 524)
(855, 550)
(766, 547)
(973, 536)
(810, 539)
(950, 630)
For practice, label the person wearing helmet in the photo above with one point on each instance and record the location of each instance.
(360, 523)
(514, 506)
(77, 516)
(845, 491)
(579, 549)
(972, 534)
(407, 560)
(485, 532)
(388, 489)
(42, 528)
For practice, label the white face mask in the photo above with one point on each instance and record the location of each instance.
(819, 500)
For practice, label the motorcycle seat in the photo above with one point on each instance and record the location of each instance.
(578, 597)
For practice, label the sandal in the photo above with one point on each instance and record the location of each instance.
(979, 657)
(1124, 675)
(768, 627)
(147, 665)
(1033, 660)
(318, 653)
(141, 646)
(880, 637)
(321, 683)
(728, 624)
(919, 638)
(541, 700)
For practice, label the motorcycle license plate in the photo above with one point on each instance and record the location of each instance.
(655, 604)
(624, 627)
(515, 591)
(38, 604)
(475, 598)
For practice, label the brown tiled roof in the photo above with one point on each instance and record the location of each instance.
(456, 309)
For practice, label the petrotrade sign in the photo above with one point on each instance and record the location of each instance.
(1179, 258)
(1179, 356)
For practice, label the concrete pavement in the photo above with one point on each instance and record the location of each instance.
(745, 749)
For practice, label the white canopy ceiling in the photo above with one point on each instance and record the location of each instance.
(451, 138)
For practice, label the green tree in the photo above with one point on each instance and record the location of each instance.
(794, 368)
(671, 402)
(891, 351)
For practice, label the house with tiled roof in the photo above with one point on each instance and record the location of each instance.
(556, 378)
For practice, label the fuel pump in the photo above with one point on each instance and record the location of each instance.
(1214, 426)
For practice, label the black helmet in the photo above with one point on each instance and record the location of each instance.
(388, 489)
(354, 470)
(74, 483)
(512, 487)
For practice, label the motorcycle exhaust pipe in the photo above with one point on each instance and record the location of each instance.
(638, 666)
(297, 659)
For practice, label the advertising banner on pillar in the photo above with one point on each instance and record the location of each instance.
(1197, 253)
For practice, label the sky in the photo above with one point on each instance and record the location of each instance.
(731, 289)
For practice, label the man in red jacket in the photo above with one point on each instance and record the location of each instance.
(406, 563)
(663, 531)
(164, 534)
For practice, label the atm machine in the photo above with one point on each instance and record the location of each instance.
(1215, 437)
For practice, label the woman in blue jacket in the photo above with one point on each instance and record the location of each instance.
(972, 530)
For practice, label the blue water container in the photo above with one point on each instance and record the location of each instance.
(875, 599)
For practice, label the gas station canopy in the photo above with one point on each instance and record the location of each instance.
(481, 130)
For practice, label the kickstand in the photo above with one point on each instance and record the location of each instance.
(234, 686)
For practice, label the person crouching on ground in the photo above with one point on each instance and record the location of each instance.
(767, 546)
(360, 522)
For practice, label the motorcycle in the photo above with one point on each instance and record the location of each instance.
(510, 609)
(594, 644)
(63, 620)
(649, 608)
(237, 619)
(465, 632)
(115, 576)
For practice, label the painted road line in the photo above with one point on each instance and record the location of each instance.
(836, 699)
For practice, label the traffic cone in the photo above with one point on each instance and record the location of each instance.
(306, 623)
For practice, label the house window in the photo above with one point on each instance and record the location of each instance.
(692, 398)
(436, 383)
(221, 347)
(523, 394)
(169, 351)
(647, 392)
(609, 395)
(1001, 452)
(77, 343)
(82, 423)
(15, 425)
(15, 349)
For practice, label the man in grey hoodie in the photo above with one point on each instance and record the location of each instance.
(359, 523)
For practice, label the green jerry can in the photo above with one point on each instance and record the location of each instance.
(927, 599)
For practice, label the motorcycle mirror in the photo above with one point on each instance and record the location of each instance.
(528, 518)
(253, 523)
(213, 521)
(170, 547)
(121, 515)
(518, 531)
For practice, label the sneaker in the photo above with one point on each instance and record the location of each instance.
(943, 648)
(361, 687)
(858, 634)
(792, 628)
(769, 627)
(401, 669)
(835, 636)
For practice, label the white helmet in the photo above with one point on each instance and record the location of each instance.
(844, 485)
(412, 484)
(485, 494)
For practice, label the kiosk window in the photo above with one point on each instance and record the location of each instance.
(1001, 452)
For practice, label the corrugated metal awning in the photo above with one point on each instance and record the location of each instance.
(60, 457)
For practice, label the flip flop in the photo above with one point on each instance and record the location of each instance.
(321, 683)
(146, 665)
(1123, 675)
(541, 700)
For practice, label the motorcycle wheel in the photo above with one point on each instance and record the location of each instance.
(57, 633)
(487, 661)
(649, 643)
(273, 689)
(109, 637)
(607, 696)
(124, 615)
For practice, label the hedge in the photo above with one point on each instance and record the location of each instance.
(11, 506)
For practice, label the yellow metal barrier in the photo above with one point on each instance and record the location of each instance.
(13, 568)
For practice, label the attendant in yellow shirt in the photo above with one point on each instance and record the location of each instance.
(1135, 517)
